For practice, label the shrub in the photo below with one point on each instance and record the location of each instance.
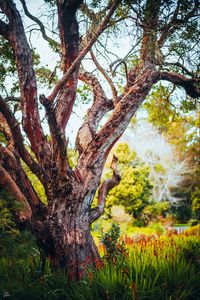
(114, 249)
(193, 222)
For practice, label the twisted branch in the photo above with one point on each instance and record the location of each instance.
(104, 189)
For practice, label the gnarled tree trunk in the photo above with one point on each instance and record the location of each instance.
(62, 226)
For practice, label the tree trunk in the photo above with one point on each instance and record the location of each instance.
(70, 245)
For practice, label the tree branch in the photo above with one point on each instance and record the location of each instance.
(4, 29)
(104, 73)
(59, 143)
(191, 85)
(150, 27)
(93, 158)
(87, 11)
(18, 141)
(101, 105)
(183, 68)
(69, 34)
(86, 49)
(12, 164)
(27, 80)
(4, 128)
(174, 23)
(104, 189)
(40, 24)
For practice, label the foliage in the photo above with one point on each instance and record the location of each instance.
(178, 119)
(155, 210)
(194, 230)
(8, 205)
(114, 249)
(37, 185)
(196, 203)
(7, 67)
(134, 189)
(156, 268)
(181, 212)
(193, 222)
(72, 157)
(8, 83)
(173, 117)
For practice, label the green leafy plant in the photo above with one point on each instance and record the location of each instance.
(114, 248)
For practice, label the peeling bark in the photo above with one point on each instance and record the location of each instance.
(62, 227)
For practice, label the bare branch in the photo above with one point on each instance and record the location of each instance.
(13, 99)
(183, 68)
(86, 49)
(40, 24)
(104, 189)
(105, 74)
(191, 85)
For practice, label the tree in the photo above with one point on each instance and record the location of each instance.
(62, 227)
(196, 203)
(135, 187)
(179, 122)
(166, 171)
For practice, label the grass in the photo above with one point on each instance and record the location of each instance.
(164, 267)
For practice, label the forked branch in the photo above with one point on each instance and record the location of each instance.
(59, 143)
(101, 105)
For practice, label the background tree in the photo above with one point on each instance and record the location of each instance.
(178, 121)
(135, 187)
(162, 33)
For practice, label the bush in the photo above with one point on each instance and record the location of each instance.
(114, 249)
(193, 222)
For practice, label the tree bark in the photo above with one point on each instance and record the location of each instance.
(65, 236)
